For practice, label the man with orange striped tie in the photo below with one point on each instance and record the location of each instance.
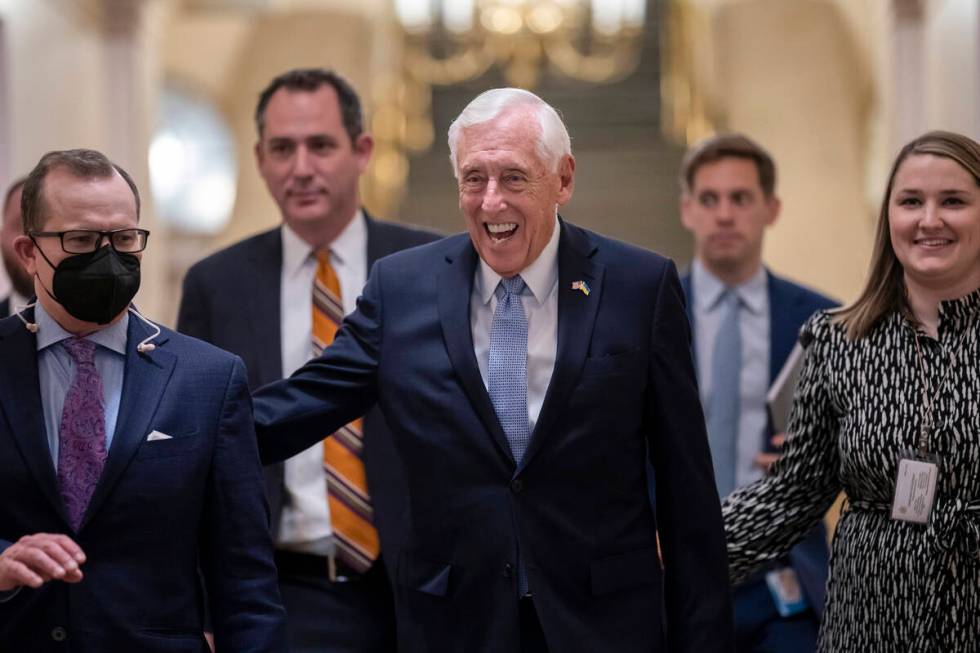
(276, 300)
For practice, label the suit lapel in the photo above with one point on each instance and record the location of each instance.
(576, 317)
(455, 287)
(687, 286)
(377, 245)
(265, 277)
(144, 384)
(20, 396)
(782, 335)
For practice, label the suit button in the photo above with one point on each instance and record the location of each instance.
(517, 486)
(59, 634)
(508, 571)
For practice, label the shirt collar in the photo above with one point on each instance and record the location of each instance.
(49, 332)
(708, 288)
(540, 277)
(296, 251)
(351, 239)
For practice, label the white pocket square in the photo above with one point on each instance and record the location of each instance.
(157, 435)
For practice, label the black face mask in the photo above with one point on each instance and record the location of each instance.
(97, 286)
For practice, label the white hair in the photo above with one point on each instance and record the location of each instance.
(553, 140)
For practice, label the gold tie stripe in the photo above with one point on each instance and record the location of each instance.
(347, 494)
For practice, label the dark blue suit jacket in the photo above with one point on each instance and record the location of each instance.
(577, 503)
(232, 299)
(162, 509)
(789, 307)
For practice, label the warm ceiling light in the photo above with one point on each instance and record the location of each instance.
(545, 19)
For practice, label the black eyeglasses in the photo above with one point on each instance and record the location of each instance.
(85, 241)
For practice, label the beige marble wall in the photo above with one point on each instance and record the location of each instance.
(952, 65)
(75, 75)
(789, 74)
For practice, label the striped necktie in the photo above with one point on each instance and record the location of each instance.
(351, 514)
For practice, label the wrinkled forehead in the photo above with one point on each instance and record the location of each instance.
(75, 201)
(514, 133)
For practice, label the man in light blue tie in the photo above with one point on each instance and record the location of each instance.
(745, 322)
(528, 370)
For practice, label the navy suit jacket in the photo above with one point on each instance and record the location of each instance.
(4, 307)
(161, 510)
(232, 300)
(789, 307)
(577, 503)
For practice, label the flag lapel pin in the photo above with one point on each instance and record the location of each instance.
(581, 285)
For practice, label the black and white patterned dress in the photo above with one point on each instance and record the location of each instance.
(893, 586)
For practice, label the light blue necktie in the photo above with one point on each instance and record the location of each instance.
(724, 398)
(507, 369)
(507, 377)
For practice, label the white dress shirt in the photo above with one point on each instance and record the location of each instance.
(541, 308)
(305, 522)
(754, 379)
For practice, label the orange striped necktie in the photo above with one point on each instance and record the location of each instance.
(351, 513)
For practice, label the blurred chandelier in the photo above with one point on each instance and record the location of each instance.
(450, 41)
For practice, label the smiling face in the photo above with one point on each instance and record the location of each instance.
(727, 212)
(309, 163)
(508, 195)
(934, 224)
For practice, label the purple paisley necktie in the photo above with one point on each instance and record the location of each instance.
(81, 438)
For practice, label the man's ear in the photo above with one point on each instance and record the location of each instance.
(258, 152)
(566, 178)
(774, 206)
(687, 219)
(27, 253)
(363, 149)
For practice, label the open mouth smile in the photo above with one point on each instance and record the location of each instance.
(933, 243)
(501, 231)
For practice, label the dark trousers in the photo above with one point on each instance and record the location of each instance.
(532, 637)
(760, 629)
(330, 617)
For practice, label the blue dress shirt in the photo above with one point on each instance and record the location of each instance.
(754, 323)
(56, 369)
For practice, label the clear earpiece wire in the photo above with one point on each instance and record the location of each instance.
(145, 346)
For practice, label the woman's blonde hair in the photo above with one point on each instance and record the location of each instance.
(884, 291)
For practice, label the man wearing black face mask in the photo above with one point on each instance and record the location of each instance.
(127, 452)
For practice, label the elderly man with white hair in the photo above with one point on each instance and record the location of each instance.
(528, 370)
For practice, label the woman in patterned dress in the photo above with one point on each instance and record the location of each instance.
(894, 376)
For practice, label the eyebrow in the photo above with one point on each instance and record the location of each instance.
(730, 191)
(946, 191)
(300, 139)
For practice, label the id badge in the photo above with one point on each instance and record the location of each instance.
(786, 591)
(915, 489)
